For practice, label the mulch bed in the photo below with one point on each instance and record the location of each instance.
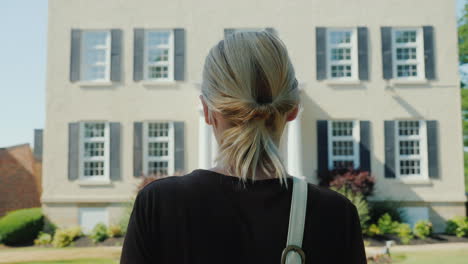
(85, 241)
(379, 241)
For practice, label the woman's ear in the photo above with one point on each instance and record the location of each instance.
(205, 110)
(293, 113)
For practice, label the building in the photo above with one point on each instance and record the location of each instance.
(379, 84)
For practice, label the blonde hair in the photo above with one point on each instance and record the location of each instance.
(248, 78)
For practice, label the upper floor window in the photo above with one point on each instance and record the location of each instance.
(342, 54)
(343, 144)
(408, 53)
(94, 151)
(95, 55)
(158, 148)
(159, 55)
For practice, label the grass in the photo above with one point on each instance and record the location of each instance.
(432, 257)
(78, 261)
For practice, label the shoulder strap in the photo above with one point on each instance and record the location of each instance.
(296, 224)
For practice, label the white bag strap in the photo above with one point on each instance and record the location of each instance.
(293, 253)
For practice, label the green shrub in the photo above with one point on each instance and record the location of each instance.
(48, 227)
(43, 239)
(373, 230)
(378, 209)
(457, 226)
(114, 231)
(99, 233)
(64, 237)
(358, 200)
(387, 225)
(21, 226)
(422, 229)
(125, 217)
(404, 233)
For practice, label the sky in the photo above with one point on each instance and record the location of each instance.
(23, 24)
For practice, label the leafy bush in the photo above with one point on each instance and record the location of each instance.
(43, 239)
(373, 230)
(356, 180)
(457, 226)
(422, 229)
(114, 231)
(358, 200)
(48, 227)
(404, 233)
(21, 226)
(387, 225)
(64, 237)
(378, 209)
(99, 233)
(125, 217)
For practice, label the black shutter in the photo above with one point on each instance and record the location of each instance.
(321, 52)
(322, 147)
(138, 149)
(179, 54)
(73, 150)
(38, 143)
(75, 55)
(364, 146)
(114, 149)
(116, 55)
(387, 63)
(138, 53)
(432, 149)
(429, 64)
(363, 59)
(389, 134)
(179, 153)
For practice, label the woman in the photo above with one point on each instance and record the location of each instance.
(238, 211)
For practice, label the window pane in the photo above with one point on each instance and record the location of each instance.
(409, 147)
(340, 37)
(343, 164)
(342, 128)
(93, 168)
(158, 167)
(94, 149)
(340, 54)
(408, 128)
(158, 129)
(94, 56)
(96, 39)
(158, 149)
(406, 53)
(342, 148)
(341, 70)
(156, 55)
(409, 167)
(405, 36)
(158, 38)
(408, 70)
(95, 73)
(94, 130)
(157, 72)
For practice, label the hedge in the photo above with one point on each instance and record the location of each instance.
(21, 226)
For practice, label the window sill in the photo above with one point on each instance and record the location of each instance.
(395, 82)
(342, 82)
(95, 182)
(417, 181)
(91, 84)
(158, 83)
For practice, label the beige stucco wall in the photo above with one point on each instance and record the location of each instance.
(375, 100)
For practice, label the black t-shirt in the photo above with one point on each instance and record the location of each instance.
(207, 217)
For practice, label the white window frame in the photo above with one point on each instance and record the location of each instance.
(170, 64)
(354, 54)
(83, 53)
(422, 137)
(355, 138)
(105, 158)
(170, 139)
(419, 61)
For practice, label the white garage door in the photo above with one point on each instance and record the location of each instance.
(90, 216)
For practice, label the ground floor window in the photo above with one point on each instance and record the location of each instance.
(158, 148)
(89, 217)
(343, 144)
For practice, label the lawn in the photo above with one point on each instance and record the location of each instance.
(432, 257)
(79, 261)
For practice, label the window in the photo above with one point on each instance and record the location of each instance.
(159, 55)
(95, 58)
(158, 146)
(411, 148)
(90, 216)
(408, 53)
(343, 144)
(342, 54)
(94, 151)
